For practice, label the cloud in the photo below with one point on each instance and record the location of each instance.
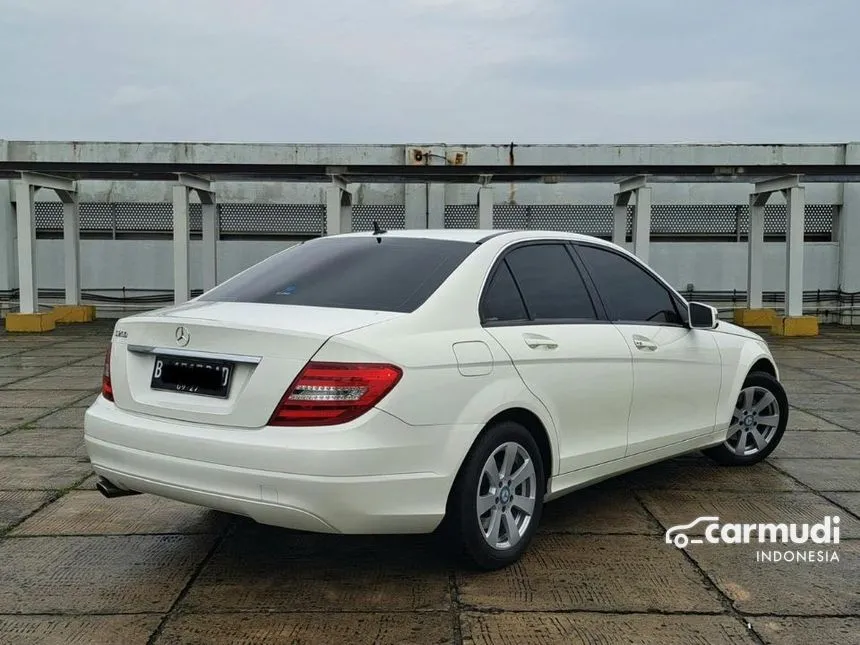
(540, 71)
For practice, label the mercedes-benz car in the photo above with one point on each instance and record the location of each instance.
(408, 381)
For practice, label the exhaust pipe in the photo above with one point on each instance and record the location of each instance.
(110, 491)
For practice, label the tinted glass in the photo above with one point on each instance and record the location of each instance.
(550, 282)
(629, 292)
(394, 274)
(502, 301)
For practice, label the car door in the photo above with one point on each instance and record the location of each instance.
(676, 370)
(537, 306)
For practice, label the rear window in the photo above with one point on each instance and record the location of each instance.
(380, 274)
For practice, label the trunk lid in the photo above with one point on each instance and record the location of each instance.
(266, 344)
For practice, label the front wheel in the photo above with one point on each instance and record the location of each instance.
(497, 500)
(758, 422)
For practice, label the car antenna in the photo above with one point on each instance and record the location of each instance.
(378, 231)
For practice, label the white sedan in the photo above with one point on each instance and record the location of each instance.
(384, 382)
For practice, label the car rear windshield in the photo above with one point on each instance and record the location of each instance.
(375, 273)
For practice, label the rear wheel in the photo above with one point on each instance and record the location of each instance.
(497, 501)
(758, 422)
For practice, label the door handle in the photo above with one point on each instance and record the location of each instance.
(536, 341)
(645, 344)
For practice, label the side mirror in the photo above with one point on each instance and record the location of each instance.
(702, 316)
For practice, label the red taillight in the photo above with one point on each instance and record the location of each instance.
(107, 388)
(325, 394)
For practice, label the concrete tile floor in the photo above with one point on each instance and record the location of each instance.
(77, 568)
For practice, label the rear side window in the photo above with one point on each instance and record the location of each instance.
(392, 274)
(630, 293)
(502, 301)
(550, 284)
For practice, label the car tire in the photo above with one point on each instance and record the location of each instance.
(500, 535)
(768, 399)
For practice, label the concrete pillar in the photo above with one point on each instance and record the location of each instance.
(619, 221)
(485, 207)
(642, 224)
(8, 239)
(849, 237)
(338, 210)
(415, 204)
(72, 249)
(26, 248)
(755, 252)
(211, 233)
(181, 244)
(794, 229)
(436, 206)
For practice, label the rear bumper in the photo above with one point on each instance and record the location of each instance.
(374, 475)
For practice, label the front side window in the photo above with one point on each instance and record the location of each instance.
(629, 293)
(550, 283)
(378, 274)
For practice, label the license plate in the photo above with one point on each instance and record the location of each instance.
(192, 375)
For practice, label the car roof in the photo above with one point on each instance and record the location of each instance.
(476, 235)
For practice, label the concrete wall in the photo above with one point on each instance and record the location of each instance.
(148, 264)
(708, 266)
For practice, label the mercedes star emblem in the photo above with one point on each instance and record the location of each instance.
(182, 336)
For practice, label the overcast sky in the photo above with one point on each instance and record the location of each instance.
(453, 71)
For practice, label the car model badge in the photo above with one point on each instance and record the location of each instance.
(182, 336)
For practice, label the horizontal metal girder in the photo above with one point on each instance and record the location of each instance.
(769, 186)
(200, 184)
(464, 174)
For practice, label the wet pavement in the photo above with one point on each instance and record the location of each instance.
(78, 568)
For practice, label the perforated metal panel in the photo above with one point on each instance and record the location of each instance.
(461, 216)
(705, 219)
(272, 218)
(389, 216)
(588, 219)
(818, 219)
(309, 219)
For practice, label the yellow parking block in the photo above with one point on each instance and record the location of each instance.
(795, 326)
(74, 313)
(755, 317)
(34, 323)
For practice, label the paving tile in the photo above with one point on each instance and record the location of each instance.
(97, 575)
(41, 473)
(826, 445)
(794, 588)
(775, 630)
(800, 420)
(597, 510)
(78, 630)
(309, 628)
(591, 629)
(846, 419)
(43, 361)
(43, 442)
(676, 508)
(89, 483)
(845, 402)
(61, 350)
(824, 474)
(14, 417)
(77, 371)
(93, 360)
(850, 501)
(85, 402)
(796, 389)
(618, 573)
(37, 398)
(261, 568)
(66, 383)
(71, 417)
(16, 505)
(703, 474)
(84, 512)
(20, 372)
